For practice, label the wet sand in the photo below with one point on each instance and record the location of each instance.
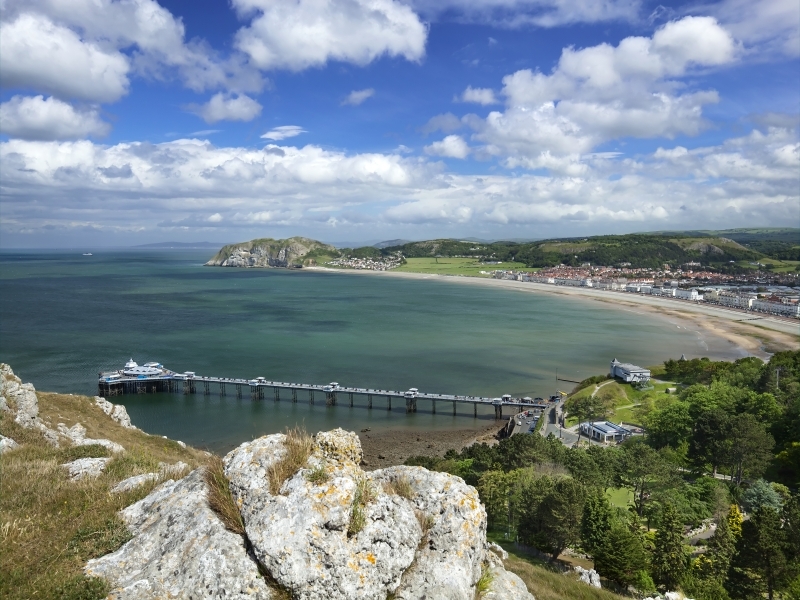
(393, 446)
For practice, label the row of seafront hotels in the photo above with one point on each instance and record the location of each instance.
(786, 306)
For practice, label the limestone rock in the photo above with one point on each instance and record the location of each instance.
(180, 549)
(131, 483)
(174, 470)
(86, 467)
(448, 565)
(77, 435)
(588, 576)
(116, 411)
(268, 253)
(504, 585)
(300, 535)
(6, 444)
(25, 403)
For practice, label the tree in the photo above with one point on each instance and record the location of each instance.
(751, 447)
(620, 556)
(641, 469)
(710, 441)
(494, 489)
(669, 555)
(587, 408)
(596, 521)
(761, 494)
(721, 548)
(669, 426)
(760, 563)
(554, 523)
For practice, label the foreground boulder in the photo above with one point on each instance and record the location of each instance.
(180, 549)
(317, 527)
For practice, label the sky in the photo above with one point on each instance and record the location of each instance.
(126, 122)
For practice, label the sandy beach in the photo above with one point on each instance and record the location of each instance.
(752, 333)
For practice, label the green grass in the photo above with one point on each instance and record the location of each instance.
(468, 267)
(620, 497)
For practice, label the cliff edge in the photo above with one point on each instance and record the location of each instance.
(267, 252)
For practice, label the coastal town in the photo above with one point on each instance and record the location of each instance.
(385, 263)
(757, 293)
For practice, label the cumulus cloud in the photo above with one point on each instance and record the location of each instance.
(446, 123)
(227, 107)
(356, 97)
(283, 132)
(752, 179)
(39, 118)
(607, 92)
(452, 146)
(297, 34)
(765, 26)
(484, 96)
(39, 54)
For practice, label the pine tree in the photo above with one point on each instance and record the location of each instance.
(721, 548)
(620, 555)
(595, 521)
(669, 556)
(759, 565)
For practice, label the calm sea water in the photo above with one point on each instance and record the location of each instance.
(64, 317)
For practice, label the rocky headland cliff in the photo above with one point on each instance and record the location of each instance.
(285, 516)
(266, 252)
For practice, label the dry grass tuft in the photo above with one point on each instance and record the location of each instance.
(298, 445)
(220, 499)
(400, 487)
(425, 522)
(363, 495)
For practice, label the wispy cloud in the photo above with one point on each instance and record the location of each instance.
(356, 97)
(203, 132)
(283, 132)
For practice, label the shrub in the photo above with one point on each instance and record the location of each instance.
(318, 475)
(400, 487)
(363, 495)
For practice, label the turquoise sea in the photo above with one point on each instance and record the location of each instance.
(64, 317)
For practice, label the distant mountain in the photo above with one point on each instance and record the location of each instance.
(267, 252)
(180, 245)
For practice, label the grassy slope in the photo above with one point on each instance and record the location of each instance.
(454, 266)
(50, 526)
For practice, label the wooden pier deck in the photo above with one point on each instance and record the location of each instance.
(114, 384)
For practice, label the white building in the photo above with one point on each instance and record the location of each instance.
(628, 373)
(687, 294)
(776, 308)
(735, 301)
(604, 431)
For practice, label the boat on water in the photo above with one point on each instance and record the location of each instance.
(87, 254)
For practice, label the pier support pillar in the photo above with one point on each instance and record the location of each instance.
(433, 403)
(409, 407)
(221, 388)
(277, 392)
(311, 396)
(369, 400)
(294, 394)
(454, 408)
(239, 391)
(330, 398)
(498, 411)
(206, 390)
(475, 406)
(351, 399)
(388, 403)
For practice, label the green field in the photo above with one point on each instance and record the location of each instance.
(469, 267)
(624, 399)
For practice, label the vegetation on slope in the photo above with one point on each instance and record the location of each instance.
(50, 526)
(707, 451)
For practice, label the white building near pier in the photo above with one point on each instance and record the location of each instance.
(629, 373)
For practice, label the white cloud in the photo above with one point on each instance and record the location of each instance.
(484, 96)
(356, 97)
(297, 34)
(284, 131)
(156, 36)
(452, 146)
(765, 26)
(37, 118)
(604, 92)
(227, 107)
(39, 54)
(446, 123)
(746, 181)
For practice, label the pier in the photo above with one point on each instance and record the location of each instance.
(154, 378)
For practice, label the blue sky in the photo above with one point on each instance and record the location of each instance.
(133, 121)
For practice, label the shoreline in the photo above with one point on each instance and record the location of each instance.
(755, 336)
